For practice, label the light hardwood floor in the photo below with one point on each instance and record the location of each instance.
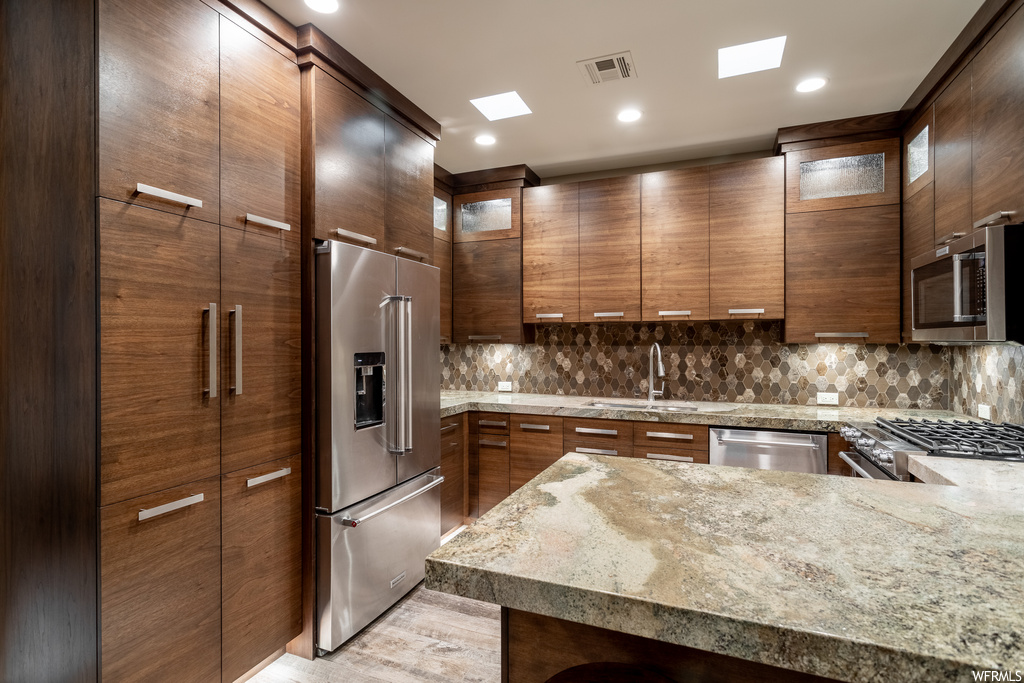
(428, 636)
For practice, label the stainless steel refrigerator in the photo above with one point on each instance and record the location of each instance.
(378, 424)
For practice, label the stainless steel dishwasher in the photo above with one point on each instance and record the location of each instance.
(768, 450)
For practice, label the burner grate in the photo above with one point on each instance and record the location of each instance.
(961, 439)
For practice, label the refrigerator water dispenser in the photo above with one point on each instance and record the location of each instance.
(369, 389)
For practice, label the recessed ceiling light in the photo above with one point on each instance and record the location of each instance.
(751, 57)
(811, 84)
(503, 106)
(630, 115)
(323, 6)
(485, 140)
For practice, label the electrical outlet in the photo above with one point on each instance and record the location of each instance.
(828, 398)
(984, 411)
(504, 386)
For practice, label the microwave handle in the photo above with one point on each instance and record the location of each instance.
(958, 288)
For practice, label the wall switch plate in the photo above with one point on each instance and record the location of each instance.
(504, 386)
(828, 398)
(984, 411)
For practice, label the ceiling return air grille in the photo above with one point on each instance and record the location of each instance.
(608, 68)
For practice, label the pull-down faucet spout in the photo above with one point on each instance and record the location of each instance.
(658, 371)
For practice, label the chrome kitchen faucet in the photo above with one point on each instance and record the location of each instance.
(658, 371)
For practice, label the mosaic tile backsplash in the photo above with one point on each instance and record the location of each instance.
(989, 375)
(717, 361)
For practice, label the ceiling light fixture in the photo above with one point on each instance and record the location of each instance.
(750, 57)
(503, 106)
(630, 115)
(811, 84)
(485, 140)
(323, 6)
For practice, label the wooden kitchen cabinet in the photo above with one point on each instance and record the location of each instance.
(489, 461)
(551, 254)
(610, 250)
(487, 215)
(748, 233)
(261, 419)
(443, 260)
(670, 441)
(409, 178)
(260, 96)
(600, 437)
(487, 291)
(953, 133)
(160, 586)
(998, 125)
(833, 294)
(455, 470)
(918, 237)
(261, 562)
(159, 118)
(675, 241)
(535, 443)
(843, 176)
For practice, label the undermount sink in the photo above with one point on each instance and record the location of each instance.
(665, 407)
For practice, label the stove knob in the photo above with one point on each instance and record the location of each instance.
(865, 441)
(883, 454)
(849, 433)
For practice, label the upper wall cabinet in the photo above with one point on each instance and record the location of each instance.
(489, 215)
(843, 176)
(610, 250)
(159, 118)
(919, 154)
(409, 176)
(748, 239)
(675, 244)
(551, 253)
(953, 131)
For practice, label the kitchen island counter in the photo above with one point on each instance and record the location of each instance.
(996, 476)
(843, 578)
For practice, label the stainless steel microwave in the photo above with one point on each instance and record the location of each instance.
(970, 291)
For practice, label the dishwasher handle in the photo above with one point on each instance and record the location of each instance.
(754, 442)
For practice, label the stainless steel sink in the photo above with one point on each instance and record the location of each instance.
(666, 407)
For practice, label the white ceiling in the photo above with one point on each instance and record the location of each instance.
(442, 53)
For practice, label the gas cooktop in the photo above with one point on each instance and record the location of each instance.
(959, 439)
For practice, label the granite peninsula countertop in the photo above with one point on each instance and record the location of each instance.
(995, 476)
(752, 415)
(846, 578)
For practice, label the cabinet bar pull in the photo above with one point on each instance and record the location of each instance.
(260, 220)
(663, 456)
(669, 435)
(550, 315)
(168, 195)
(406, 251)
(170, 507)
(673, 313)
(591, 430)
(485, 337)
(997, 217)
(493, 423)
(609, 315)
(212, 310)
(358, 237)
(596, 451)
(453, 425)
(256, 481)
(238, 348)
(952, 238)
(497, 444)
(444, 341)
(543, 428)
(746, 311)
(832, 335)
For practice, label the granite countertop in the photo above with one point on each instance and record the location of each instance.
(846, 578)
(752, 415)
(998, 477)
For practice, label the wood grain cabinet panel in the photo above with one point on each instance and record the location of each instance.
(832, 295)
(159, 100)
(748, 237)
(455, 470)
(675, 244)
(487, 291)
(998, 123)
(160, 587)
(855, 185)
(610, 249)
(348, 141)
(409, 175)
(600, 437)
(535, 443)
(918, 237)
(670, 435)
(262, 422)
(443, 260)
(159, 425)
(551, 254)
(493, 470)
(260, 134)
(261, 520)
(953, 131)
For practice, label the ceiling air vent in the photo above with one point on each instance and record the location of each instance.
(608, 68)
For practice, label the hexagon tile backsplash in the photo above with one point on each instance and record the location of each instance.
(718, 361)
(989, 375)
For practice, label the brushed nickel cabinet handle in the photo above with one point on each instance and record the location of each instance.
(169, 507)
(596, 451)
(669, 435)
(496, 444)
(591, 430)
(406, 251)
(493, 423)
(355, 236)
(663, 456)
(746, 311)
(256, 481)
(833, 335)
(673, 313)
(212, 311)
(953, 237)
(453, 425)
(993, 219)
(237, 314)
(542, 428)
(485, 337)
(550, 315)
(168, 195)
(610, 315)
(260, 220)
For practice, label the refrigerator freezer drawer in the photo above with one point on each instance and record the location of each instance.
(371, 554)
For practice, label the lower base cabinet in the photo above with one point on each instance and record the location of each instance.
(455, 470)
(535, 443)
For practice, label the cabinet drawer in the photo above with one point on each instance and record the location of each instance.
(622, 449)
(493, 470)
(676, 454)
(262, 562)
(660, 434)
(536, 442)
(618, 433)
(455, 487)
(160, 585)
(492, 423)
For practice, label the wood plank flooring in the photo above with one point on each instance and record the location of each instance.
(428, 636)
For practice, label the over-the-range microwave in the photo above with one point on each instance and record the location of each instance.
(971, 290)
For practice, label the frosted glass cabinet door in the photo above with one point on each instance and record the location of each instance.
(843, 176)
(919, 154)
(490, 215)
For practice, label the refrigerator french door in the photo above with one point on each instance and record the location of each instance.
(378, 426)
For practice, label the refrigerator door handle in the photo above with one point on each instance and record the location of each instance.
(407, 376)
(394, 416)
